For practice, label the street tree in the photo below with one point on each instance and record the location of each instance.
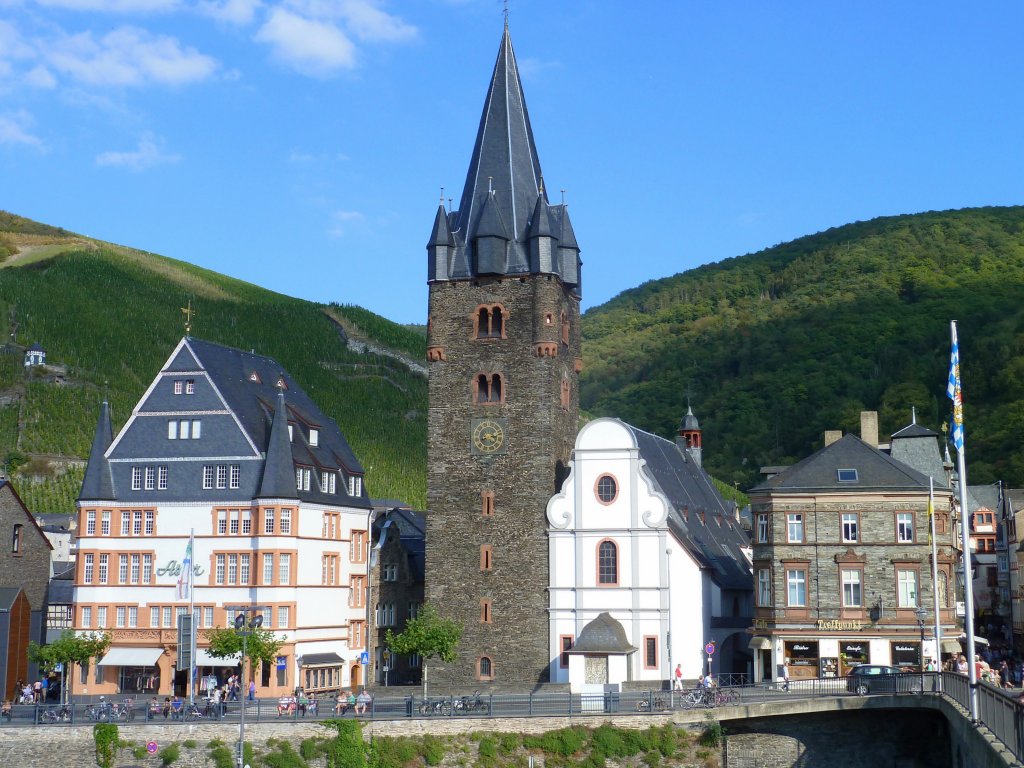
(261, 645)
(429, 635)
(69, 647)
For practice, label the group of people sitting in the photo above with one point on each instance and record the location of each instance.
(299, 704)
(347, 700)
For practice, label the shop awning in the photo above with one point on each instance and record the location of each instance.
(131, 657)
(759, 644)
(951, 646)
(321, 660)
(204, 659)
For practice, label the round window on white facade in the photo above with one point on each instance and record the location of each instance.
(607, 489)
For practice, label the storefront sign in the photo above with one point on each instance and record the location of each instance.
(835, 625)
(173, 568)
(760, 624)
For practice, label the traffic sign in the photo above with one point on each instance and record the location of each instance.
(364, 657)
(709, 649)
(151, 747)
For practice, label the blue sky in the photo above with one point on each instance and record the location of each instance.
(301, 144)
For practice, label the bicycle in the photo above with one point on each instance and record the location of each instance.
(192, 712)
(468, 704)
(63, 715)
(658, 702)
(440, 706)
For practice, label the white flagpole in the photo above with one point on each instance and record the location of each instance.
(935, 581)
(965, 528)
(192, 615)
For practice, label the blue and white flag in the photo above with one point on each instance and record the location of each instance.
(185, 579)
(954, 394)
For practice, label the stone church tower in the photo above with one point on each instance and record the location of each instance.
(504, 351)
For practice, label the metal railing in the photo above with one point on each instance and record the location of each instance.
(998, 710)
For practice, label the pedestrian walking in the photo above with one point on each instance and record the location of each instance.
(252, 690)
(785, 675)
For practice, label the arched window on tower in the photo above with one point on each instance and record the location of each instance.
(488, 388)
(496, 393)
(490, 322)
(565, 328)
(483, 389)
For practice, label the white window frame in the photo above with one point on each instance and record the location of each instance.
(208, 471)
(190, 386)
(88, 568)
(907, 593)
(197, 429)
(284, 568)
(222, 476)
(268, 568)
(905, 527)
(161, 479)
(90, 523)
(796, 588)
(172, 429)
(220, 566)
(314, 437)
(794, 525)
(286, 521)
(183, 429)
(764, 587)
(177, 387)
(850, 522)
(853, 589)
(763, 528)
(235, 477)
(136, 478)
(150, 478)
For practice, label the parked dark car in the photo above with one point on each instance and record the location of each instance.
(880, 678)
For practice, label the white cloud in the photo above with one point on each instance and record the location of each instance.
(310, 46)
(129, 56)
(12, 46)
(240, 12)
(114, 6)
(40, 77)
(340, 218)
(363, 18)
(148, 154)
(14, 129)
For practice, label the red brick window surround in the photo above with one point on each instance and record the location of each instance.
(487, 498)
(488, 389)
(564, 643)
(606, 489)
(566, 393)
(607, 564)
(486, 557)
(485, 668)
(489, 322)
(485, 611)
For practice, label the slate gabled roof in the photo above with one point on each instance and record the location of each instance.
(876, 471)
(717, 541)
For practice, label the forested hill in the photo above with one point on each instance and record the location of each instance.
(776, 347)
(109, 316)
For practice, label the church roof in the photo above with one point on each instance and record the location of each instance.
(700, 518)
(602, 635)
(689, 421)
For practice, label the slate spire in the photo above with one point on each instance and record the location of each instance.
(98, 485)
(279, 469)
(505, 155)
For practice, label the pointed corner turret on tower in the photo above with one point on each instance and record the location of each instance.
(98, 484)
(441, 246)
(278, 468)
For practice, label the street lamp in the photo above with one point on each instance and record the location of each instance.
(668, 633)
(921, 614)
(240, 627)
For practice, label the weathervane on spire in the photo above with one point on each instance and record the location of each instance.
(188, 312)
(505, 14)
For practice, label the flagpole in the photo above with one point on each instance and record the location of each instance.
(192, 614)
(954, 393)
(935, 581)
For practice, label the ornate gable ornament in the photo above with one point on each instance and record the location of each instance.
(849, 556)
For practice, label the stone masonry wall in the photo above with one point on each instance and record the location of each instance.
(538, 443)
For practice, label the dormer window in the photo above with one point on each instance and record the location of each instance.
(190, 387)
(255, 378)
(291, 433)
(355, 486)
(846, 475)
(314, 437)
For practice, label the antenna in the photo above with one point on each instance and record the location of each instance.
(442, 195)
(913, 414)
(563, 197)
(505, 14)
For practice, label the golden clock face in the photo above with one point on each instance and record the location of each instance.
(488, 436)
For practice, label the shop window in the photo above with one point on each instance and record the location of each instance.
(607, 563)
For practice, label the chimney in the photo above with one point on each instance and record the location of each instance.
(869, 427)
(832, 436)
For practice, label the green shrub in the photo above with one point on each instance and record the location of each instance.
(105, 736)
(283, 756)
(433, 750)
(652, 759)
(668, 741)
(508, 743)
(309, 748)
(139, 751)
(346, 750)
(565, 742)
(712, 734)
(169, 754)
(189, 743)
(487, 747)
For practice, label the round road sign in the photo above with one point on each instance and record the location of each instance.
(151, 747)
(709, 648)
